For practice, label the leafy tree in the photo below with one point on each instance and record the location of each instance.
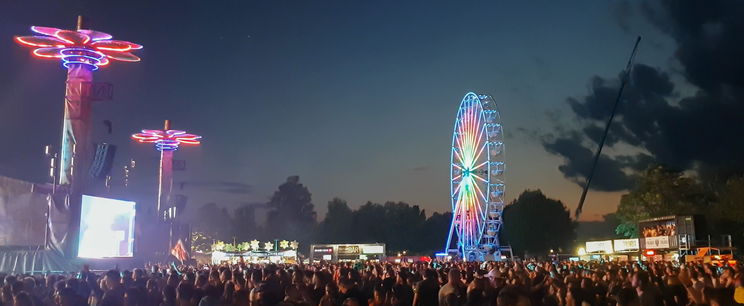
(534, 224)
(434, 232)
(214, 221)
(397, 224)
(338, 225)
(659, 192)
(403, 225)
(292, 214)
(244, 223)
(369, 224)
(728, 205)
(201, 242)
(727, 211)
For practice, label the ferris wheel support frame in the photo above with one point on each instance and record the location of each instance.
(477, 242)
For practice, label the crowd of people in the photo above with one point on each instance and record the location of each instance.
(382, 284)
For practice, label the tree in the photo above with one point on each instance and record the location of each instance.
(728, 205)
(214, 221)
(659, 192)
(726, 216)
(338, 223)
(201, 242)
(402, 227)
(292, 214)
(534, 224)
(435, 232)
(244, 223)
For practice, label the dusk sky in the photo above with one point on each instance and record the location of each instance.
(358, 98)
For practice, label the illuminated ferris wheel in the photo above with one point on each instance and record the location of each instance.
(477, 178)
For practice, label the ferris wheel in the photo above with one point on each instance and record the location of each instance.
(477, 179)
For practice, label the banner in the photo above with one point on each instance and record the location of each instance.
(604, 246)
(626, 244)
(349, 249)
(657, 242)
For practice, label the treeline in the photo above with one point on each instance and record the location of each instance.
(535, 223)
(292, 216)
(402, 227)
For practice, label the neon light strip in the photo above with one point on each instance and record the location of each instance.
(27, 43)
(83, 56)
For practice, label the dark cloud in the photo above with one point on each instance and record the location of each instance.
(622, 11)
(217, 186)
(578, 158)
(699, 132)
(529, 133)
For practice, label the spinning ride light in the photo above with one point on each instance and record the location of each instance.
(166, 141)
(91, 49)
(81, 52)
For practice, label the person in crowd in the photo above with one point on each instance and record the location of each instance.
(453, 292)
(331, 295)
(527, 282)
(113, 292)
(427, 290)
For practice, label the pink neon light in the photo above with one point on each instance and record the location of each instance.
(115, 45)
(96, 35)
(45, 30)
(72, 37)
(48, 52)
(39, 41)
(55, 40)
(167, 140)
(122, 56)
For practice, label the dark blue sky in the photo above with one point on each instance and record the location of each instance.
(356, 97)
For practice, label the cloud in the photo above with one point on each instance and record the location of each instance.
(578, 158)
(699, 132)
(622, 12)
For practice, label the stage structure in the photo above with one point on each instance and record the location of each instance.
(477, 180)
(81, 52)
(166, 141)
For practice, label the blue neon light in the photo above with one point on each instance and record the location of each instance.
(82, 56)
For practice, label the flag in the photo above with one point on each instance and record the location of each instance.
(179, 251)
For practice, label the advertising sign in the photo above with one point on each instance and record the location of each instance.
(626, 244)
(657, 242)
(604, 246)
(323, 250)
(373, 249)
(349, 249)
